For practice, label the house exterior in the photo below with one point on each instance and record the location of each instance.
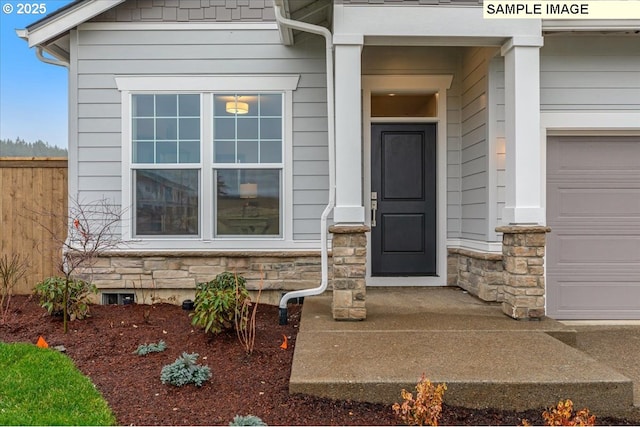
(498, 155)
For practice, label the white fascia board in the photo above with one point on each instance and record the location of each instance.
(69, 20)
(427, 21)
(227, 83)
(591, 25)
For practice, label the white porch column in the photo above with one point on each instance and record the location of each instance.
(349, 208)
(522, 130)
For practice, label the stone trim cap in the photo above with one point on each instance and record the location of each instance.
(349, 229)
(523, 229)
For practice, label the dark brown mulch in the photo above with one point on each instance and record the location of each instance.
(102, 347)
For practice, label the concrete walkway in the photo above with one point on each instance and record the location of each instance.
(485, 358)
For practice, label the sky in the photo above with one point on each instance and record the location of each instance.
(33, 95)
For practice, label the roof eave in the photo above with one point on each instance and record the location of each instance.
(42, 32)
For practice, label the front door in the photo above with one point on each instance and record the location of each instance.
(403, 185)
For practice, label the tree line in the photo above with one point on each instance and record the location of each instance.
(22, 148)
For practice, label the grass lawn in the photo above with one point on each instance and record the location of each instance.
(43, 387)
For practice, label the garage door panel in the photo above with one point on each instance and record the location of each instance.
(593, 209)
(605, 299)
(602, 249)
(596, 154)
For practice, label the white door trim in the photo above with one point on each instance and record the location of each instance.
(437, 84)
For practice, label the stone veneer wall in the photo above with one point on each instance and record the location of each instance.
(523, 249)
(349, 271)
(479, 273)
(172, 277)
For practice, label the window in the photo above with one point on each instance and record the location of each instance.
(166, 164)
(208, 158)
(247, 157)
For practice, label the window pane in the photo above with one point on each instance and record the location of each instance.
(167, 152)
(166, 129)
(189, 128)
(142, 105)
(225, 152)
(166, 202)
(271, 105)
(189, 152)
(247, 128)
(248, 202)
(247, 151)
(224, 128)
(219, 103)
(166, 105)
(270, 128)
(143, 152)
(143, 129)
(189, 105)
(270, 152)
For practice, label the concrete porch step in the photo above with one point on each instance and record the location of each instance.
(485, 358)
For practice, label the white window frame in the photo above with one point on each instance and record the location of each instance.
(204, 85)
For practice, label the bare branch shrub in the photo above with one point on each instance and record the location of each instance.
(93, 228)
(12, 269)
(245, 317)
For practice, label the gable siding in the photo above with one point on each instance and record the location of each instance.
(474, 147)
(101, 55)
(590, 73)
(424, 61)
(190, 10)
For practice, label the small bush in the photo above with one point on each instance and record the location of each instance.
(563, 415)
(51, 292)
(218, 302)
(426, 408)
(144, 349)
(185, 371)
(247, 420)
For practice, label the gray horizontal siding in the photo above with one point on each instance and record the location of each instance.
(101, 55)
(189, 10)
(590, 73)
(474, 146)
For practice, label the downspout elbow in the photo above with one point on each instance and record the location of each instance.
(50, 61)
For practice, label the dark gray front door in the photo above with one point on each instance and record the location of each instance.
(403, 180)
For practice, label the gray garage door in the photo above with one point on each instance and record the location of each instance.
(593, 209)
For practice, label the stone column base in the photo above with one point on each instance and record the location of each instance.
(523, 259)
(349, 250)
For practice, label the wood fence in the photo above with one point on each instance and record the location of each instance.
(33, 200)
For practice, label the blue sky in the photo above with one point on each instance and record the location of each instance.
(33, 95)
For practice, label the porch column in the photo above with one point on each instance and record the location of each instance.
(348, 109)
(522, 131)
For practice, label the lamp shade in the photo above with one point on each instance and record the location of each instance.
(248, 191)
(236, 107)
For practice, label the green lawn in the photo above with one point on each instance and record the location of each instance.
(43, 387)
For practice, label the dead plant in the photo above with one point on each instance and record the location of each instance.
(12, 269)
(245, 317)
(426, 408)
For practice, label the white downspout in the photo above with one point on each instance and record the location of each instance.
(46, 60)
(324, 257)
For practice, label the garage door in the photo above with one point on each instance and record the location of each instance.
(593, 209)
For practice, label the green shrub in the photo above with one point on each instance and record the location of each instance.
(218, 302)
(51, 292)
(185, 371)
(247, 420)
(144, 349)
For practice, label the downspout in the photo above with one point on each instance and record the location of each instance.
(24, 35)
(324, 256)
(51, 61)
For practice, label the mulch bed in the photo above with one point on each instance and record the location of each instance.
(102, 347)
